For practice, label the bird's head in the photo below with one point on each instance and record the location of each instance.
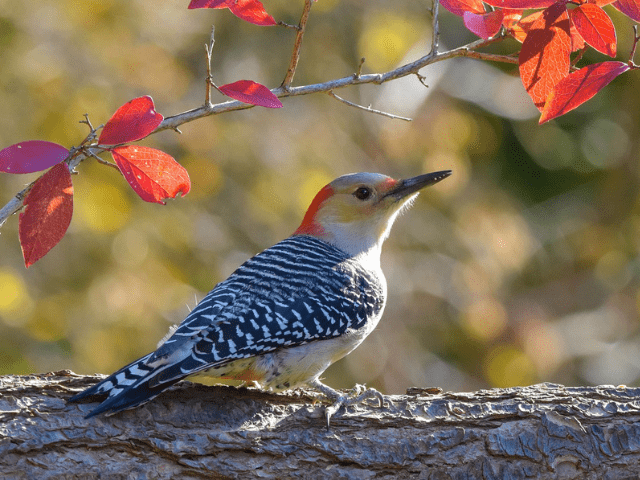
(355, 212)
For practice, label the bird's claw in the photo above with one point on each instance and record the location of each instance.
(362, 394)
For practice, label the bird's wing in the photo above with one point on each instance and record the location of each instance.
(277, 299)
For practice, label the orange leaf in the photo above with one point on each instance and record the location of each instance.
(511, 17)
(153, 174)
(485, 25)
(577, 42)
(595, 27)
(580, 86)
(520, 29)
(47, 214)
(132, 121)
(544, 57)
(600, 3)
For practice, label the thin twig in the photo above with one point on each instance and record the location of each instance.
(15, 204)
(359, 71)
(579, 56)
(368, 109)
(492, 57)
(375, 78)
(86, 121)
(103, 162)
(422, 79)
(636, 39)
(209, 49)
(435, 34)
(295, 55)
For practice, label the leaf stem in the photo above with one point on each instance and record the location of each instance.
(209, 82)
(297, 45)
(636, 39)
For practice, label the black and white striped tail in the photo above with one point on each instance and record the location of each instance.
(127, 388)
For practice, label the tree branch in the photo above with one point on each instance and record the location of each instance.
(295, 55)
(195, 431)
(435, 39)
(367, 109)
(173, 122)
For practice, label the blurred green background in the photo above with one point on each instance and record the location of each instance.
(522, 267)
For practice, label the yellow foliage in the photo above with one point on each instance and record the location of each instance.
(386, 38)
(14, 297)
(48, 322)
(506, 366)
(101, 206)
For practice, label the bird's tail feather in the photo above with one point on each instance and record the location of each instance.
(137, 383)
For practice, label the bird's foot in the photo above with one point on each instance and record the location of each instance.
(361, 394)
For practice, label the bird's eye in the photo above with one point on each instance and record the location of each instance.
(362, 193)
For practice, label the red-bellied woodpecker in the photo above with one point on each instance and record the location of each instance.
(288, 313)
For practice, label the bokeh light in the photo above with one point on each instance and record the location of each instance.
(522, 267)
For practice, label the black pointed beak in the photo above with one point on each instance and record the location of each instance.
(415, 184)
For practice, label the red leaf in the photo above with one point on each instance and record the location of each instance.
(595, 27)
(522, 27)
(153, 174)
(525, 4)
(251, 11)
(132, 121)
(580, 86)
(485, 25)
(31, 156)
(511, 17)
(458, 7)
(208, 4)
(47, 214)
(251, 92)
(577, 42)
(544, 58)
(631, 8)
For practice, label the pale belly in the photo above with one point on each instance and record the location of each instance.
(291, 367)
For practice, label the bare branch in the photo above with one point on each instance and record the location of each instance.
(209, 81)
(435, 34)
(367, 109)
(104, 162)
(173, 122)
(295, 55)
(492, 57)
(375, 78)
(14, 205)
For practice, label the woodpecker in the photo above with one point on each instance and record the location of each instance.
(285, 315)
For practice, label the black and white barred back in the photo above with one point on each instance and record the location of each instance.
(299, 291)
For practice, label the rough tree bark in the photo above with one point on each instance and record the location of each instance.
(195, 431)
